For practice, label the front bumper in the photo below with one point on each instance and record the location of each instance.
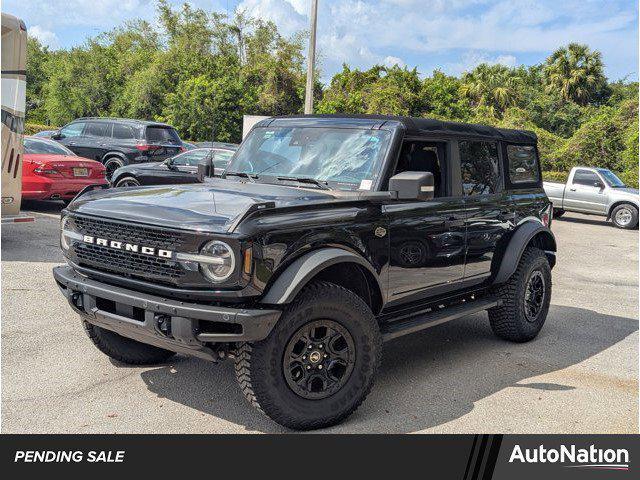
(182, 327)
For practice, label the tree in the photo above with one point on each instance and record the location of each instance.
(443, 99)
(576, 74)
(37, 57)
(493, 86)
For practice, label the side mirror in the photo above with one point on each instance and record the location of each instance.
(598, 184)
(413, 186)
(205, 169)
(57, 135)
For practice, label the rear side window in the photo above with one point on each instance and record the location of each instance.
(98, 129)
(585, 177)
(162, 134)
(123, 132)
(479, 165)
(523, 163)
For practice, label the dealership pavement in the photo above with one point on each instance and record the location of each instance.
(579, 375)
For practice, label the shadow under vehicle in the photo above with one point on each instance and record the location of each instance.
(306, 255)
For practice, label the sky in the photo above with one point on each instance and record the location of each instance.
(449, 35)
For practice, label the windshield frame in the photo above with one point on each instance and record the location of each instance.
(602, 172)
(378, 171)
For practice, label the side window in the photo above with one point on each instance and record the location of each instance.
(73, 129)
(221, 158)
(98, 129)
(418, 156)
(123, 132)
(479, 166)
(585, 177)
(523, 164)
(189, 159)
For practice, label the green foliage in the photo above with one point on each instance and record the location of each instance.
(33, 128)
(201, 71)
(555, 176)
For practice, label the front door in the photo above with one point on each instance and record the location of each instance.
(585, 193)
(427, 247)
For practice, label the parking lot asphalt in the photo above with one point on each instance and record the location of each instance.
(579, 376)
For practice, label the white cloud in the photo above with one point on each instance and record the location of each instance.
(44, 36)
(283, 13)
(390, 61)
(470, 60)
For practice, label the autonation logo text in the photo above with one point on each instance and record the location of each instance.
(573, 457)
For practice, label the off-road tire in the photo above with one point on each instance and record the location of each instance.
(509, 320)
(259, 365)
(124, 349)
(633, 211)
(558, 212)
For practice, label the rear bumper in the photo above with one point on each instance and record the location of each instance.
(58, 189)
(182, 327)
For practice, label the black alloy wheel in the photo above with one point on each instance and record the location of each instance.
(319, 359)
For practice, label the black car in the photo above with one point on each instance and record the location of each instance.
(326, 236)
(182, 168)
(118, 141)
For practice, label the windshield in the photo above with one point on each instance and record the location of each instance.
(47, 147)
(611, 178)
(348, 157)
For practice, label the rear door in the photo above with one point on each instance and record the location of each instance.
(489, 214)
(94, 141)
(585, 192)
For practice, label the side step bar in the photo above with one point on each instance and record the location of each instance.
(398, 328)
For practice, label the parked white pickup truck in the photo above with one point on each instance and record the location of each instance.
(595, 191)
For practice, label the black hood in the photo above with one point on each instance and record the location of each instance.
(213, 206)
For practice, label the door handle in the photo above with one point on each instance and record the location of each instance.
(572, 189)
(72, 143)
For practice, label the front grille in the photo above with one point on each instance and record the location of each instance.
(128, 263)
(148, 236)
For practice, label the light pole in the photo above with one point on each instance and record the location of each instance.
(311, 58)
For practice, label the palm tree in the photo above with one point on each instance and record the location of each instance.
(492, 86)
(575, 72)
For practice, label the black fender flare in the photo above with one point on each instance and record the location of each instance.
(303, 269)
(517, 244)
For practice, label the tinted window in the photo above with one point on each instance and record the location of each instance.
(523, 165)
(611, 178)
(73, 129)
(98, 129)
(221, 158)
(479, 166)
(41, 146)
(585, 177)
(190, 158)
(162, 134)
(123, 131)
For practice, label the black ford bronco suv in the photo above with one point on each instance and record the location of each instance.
(326, 236)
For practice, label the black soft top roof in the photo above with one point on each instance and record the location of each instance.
(412, 125)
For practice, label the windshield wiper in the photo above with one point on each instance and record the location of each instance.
(313, 181)
(250, 176)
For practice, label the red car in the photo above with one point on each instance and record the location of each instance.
(51, 171)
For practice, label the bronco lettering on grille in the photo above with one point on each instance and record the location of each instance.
(128, 247)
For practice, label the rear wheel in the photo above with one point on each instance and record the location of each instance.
(625, 216)
(525, 299)
(124, 349)
(111, 164)
(319, 362)
(128, 182)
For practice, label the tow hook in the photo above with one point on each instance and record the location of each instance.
(76, 299)
(163, 324)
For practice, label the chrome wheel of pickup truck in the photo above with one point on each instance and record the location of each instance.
(625, 216)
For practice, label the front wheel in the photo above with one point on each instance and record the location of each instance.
(525, 299)
(318, 364)
(625, 216)
(128, 182)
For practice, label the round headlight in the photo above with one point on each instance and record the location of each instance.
(222, 263)
(64, 225)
